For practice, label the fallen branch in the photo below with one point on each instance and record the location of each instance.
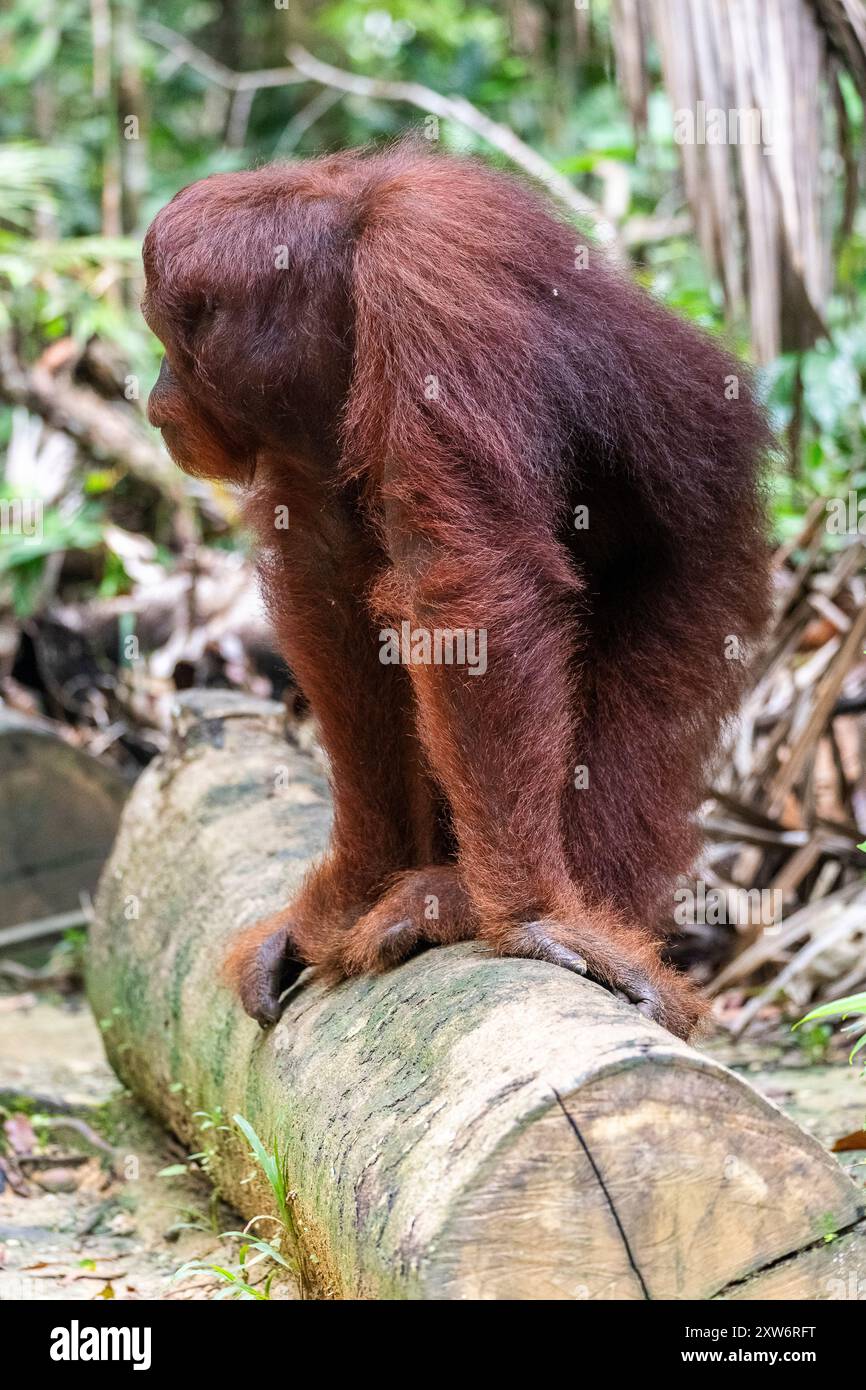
(25, 932)
(305, 67)
(104, 431)
(457, 108)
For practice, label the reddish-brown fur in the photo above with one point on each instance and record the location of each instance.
(450, 503)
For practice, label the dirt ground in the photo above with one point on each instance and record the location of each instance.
(88, 1210)
(83, 1221)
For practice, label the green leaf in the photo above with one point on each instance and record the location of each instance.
(837, 1008)
(256, 1243)
(831, 388)
(33, 57)
(271, 1165)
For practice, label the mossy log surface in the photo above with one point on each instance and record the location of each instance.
(462, 1127)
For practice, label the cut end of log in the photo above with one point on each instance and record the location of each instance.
(59, 812)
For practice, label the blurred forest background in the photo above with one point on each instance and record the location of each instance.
(122, 582)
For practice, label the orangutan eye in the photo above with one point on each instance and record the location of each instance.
(199, 313)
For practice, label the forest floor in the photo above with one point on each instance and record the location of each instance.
(80, 1222)
(85, 1223)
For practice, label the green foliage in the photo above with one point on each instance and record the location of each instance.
(813, 1042)
(854, 1004)
(283, 1252)
(841, 1008)
(60, 141)
(22, 558)
(30, 174)
(270, 1164)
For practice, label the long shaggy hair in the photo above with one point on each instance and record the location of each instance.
(477, 424)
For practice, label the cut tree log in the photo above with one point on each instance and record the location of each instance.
(463, 1127)
(59, 812)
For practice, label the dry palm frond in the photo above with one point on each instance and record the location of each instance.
(758, 185)
(789, 808)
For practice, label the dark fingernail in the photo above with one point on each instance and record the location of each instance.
(266, 1015)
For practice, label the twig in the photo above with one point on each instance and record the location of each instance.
(305, 118)
(45, 926)
(305, 67)
(81, 1127)
(103, 430)
(239, 116)
(43, 978)
(826, 696)
(457, 108)
(841, 930)
(214, 71)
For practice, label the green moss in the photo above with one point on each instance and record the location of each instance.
(218, 800)
(132, 993)
(179, 970)
(222, 1045)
